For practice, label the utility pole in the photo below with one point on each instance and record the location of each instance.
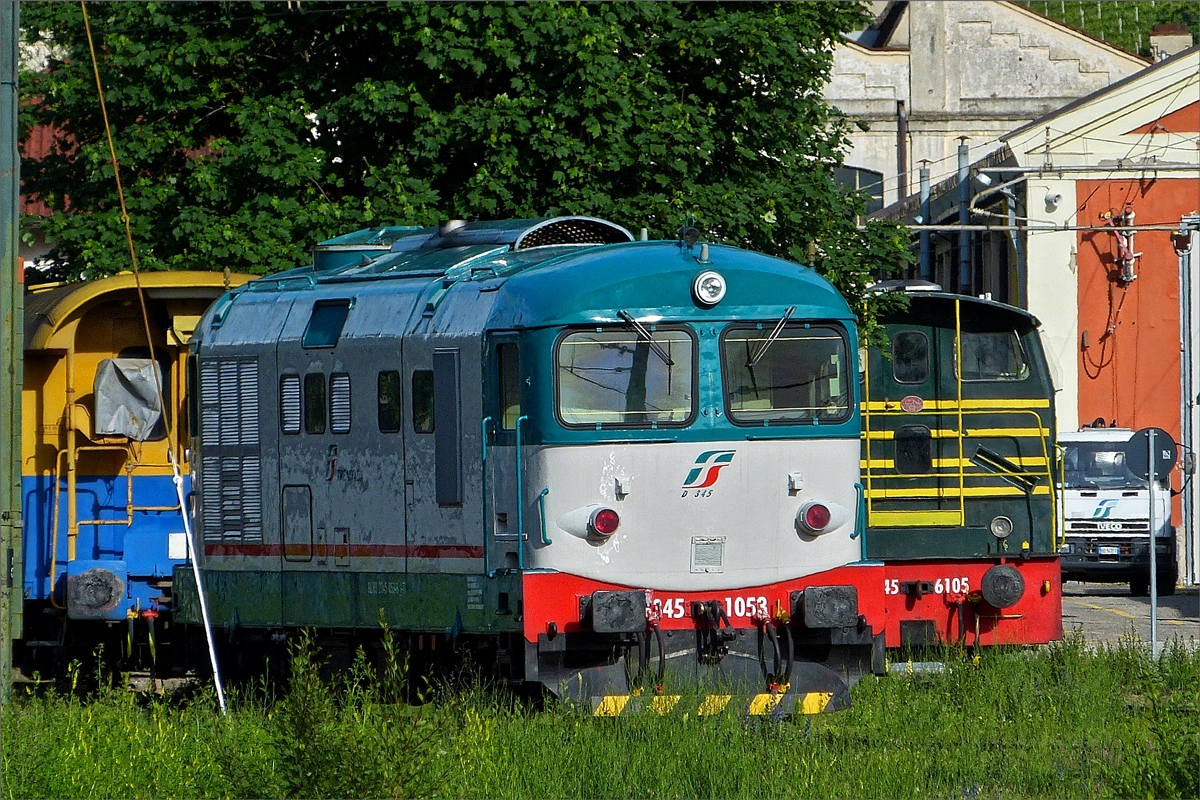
(965, 272)
(12, 348)
(926, 252)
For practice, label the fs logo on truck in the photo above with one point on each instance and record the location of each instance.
(708, 469)
(1104, 508)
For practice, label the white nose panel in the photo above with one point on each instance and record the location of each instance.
(704, 516)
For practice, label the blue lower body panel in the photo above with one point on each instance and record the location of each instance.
(119, 566)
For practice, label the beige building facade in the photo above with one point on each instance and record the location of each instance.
(926, 73)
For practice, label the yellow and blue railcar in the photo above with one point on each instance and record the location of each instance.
(102, 521)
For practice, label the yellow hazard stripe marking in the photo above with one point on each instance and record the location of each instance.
(814, 702)
(903, 519)
(759, 705)
(762, 704)
(999, 405)
(954, 463)
(612, 705)
(713, 704)
(971, 433)
(664, 704)
(882, 493)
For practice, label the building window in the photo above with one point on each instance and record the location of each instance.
(864, 180)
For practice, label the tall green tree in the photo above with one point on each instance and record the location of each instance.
(246, 132)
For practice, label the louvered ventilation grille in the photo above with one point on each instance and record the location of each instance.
(231, 473)
(339, 403)
(573, 231)
(289, 403)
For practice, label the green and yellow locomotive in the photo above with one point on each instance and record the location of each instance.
(958, 471)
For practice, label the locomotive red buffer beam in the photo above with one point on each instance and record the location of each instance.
(1006, 601)
(785, 648)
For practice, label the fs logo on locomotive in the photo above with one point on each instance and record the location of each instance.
(706, 472)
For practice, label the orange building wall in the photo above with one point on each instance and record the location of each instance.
(1130, 372)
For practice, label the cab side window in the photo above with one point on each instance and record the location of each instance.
(314, 402)
(509, 367)
(422, 401)
(910, 357)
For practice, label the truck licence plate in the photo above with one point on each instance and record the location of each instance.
(1108, 550)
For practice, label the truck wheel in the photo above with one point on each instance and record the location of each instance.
(1139, 587)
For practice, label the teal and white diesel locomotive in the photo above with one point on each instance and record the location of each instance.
(599, 462)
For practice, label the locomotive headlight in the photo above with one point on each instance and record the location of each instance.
(708, 288)
(1001, 527)
(603, 522)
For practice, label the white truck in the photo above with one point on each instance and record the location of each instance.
(1105, 514)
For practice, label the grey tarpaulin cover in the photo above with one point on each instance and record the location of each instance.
(127, 400)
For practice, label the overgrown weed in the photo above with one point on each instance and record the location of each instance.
(1062, 721)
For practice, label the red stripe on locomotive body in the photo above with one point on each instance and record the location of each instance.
(1034, 619)
(356, 550)
(554, 597)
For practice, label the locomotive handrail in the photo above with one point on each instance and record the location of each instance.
(1038, 430)
(520, 497)
(542, 511)
(484, 459)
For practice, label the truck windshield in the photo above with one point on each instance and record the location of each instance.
(1100, 465)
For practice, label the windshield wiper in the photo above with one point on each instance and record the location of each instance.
(655, 346)
(771, 339)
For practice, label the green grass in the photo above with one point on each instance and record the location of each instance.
(1060, 722)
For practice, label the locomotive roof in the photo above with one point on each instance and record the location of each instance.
(48, 306)
(538, 281)
(977, 313)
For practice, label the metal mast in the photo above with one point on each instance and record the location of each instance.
(12, 345)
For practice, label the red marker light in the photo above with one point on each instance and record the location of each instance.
(604, 522)
(815, 517)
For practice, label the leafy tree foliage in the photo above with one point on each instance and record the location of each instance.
(246, 132)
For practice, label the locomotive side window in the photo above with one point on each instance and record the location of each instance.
(289, 403)
(914, 450)
(314, 402)
(910, 357)
(792, 374)
(339, 403)
(509, 364)
(422, 400)
(993, 356)
(618, 378)
(326, 323)
(389, 401)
